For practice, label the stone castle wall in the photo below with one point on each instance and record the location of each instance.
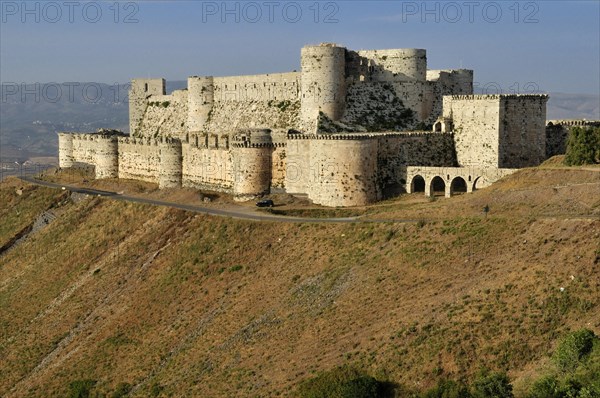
(266, 87)
(400, 150)
(344, 172)
(395, 65)
(139, 159)
(522, 130)
(207, 163)
(355, 169)
(340, 131)
(441, 83)
(505, 131)
(98, 150)
(476, 121)
(343, 85)
(165, 115)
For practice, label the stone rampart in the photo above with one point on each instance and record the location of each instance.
(266, 87)
(165, 115)
(207, 166)
(358, 168)
(139, 159)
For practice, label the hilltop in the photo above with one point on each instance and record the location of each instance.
(176, 303)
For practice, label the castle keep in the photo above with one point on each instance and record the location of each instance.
(351, 128)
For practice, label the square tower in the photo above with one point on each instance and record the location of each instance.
(503, 131)
(139, 92)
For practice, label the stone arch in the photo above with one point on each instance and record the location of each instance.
(437, 185)
(417, 184)
(478, 183)
(458, 186)
(437, 127)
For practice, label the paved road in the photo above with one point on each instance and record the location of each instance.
(242, 213)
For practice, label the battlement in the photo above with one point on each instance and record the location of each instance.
(475, 97)
(96, 137)
(573, 122)
(365, 136)
(208, 141)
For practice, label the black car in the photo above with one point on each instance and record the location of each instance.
(265, 203)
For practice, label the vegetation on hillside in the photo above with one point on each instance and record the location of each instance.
(583, 146)
(122, 299)
(575, 374)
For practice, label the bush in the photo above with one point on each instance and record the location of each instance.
(572, 349)
(493, 385)
(583, 146)
(342, 382)
(547, 387)
(122, 390)
(448, 389)
(81, 388)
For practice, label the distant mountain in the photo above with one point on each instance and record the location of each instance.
(31, 115)
(573, 106)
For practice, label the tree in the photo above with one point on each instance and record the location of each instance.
(583, 146)
(492, 385)
(342, 382)
(572, 349)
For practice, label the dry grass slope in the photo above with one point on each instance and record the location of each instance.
(178, 304)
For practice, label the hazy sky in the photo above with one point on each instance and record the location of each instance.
(553, 44)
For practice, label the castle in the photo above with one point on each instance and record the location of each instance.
(347, 130)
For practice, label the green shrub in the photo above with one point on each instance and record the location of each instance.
(448, 389)
(81, 388)
(546, 387)
(342, 382)
(492, 385)
(572, 349)
(156, 389)
(122, 390)
(583, 146)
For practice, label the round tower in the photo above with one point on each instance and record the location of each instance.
(170, 167)
(409, 64)
(65, 150)
(107, 157)
(201, 94)
(252, 163)
(396, 65)
(346, 171)
(323, 82)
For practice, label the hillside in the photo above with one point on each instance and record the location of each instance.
(181, 304)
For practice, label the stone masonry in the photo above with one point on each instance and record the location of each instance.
(351, 128)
